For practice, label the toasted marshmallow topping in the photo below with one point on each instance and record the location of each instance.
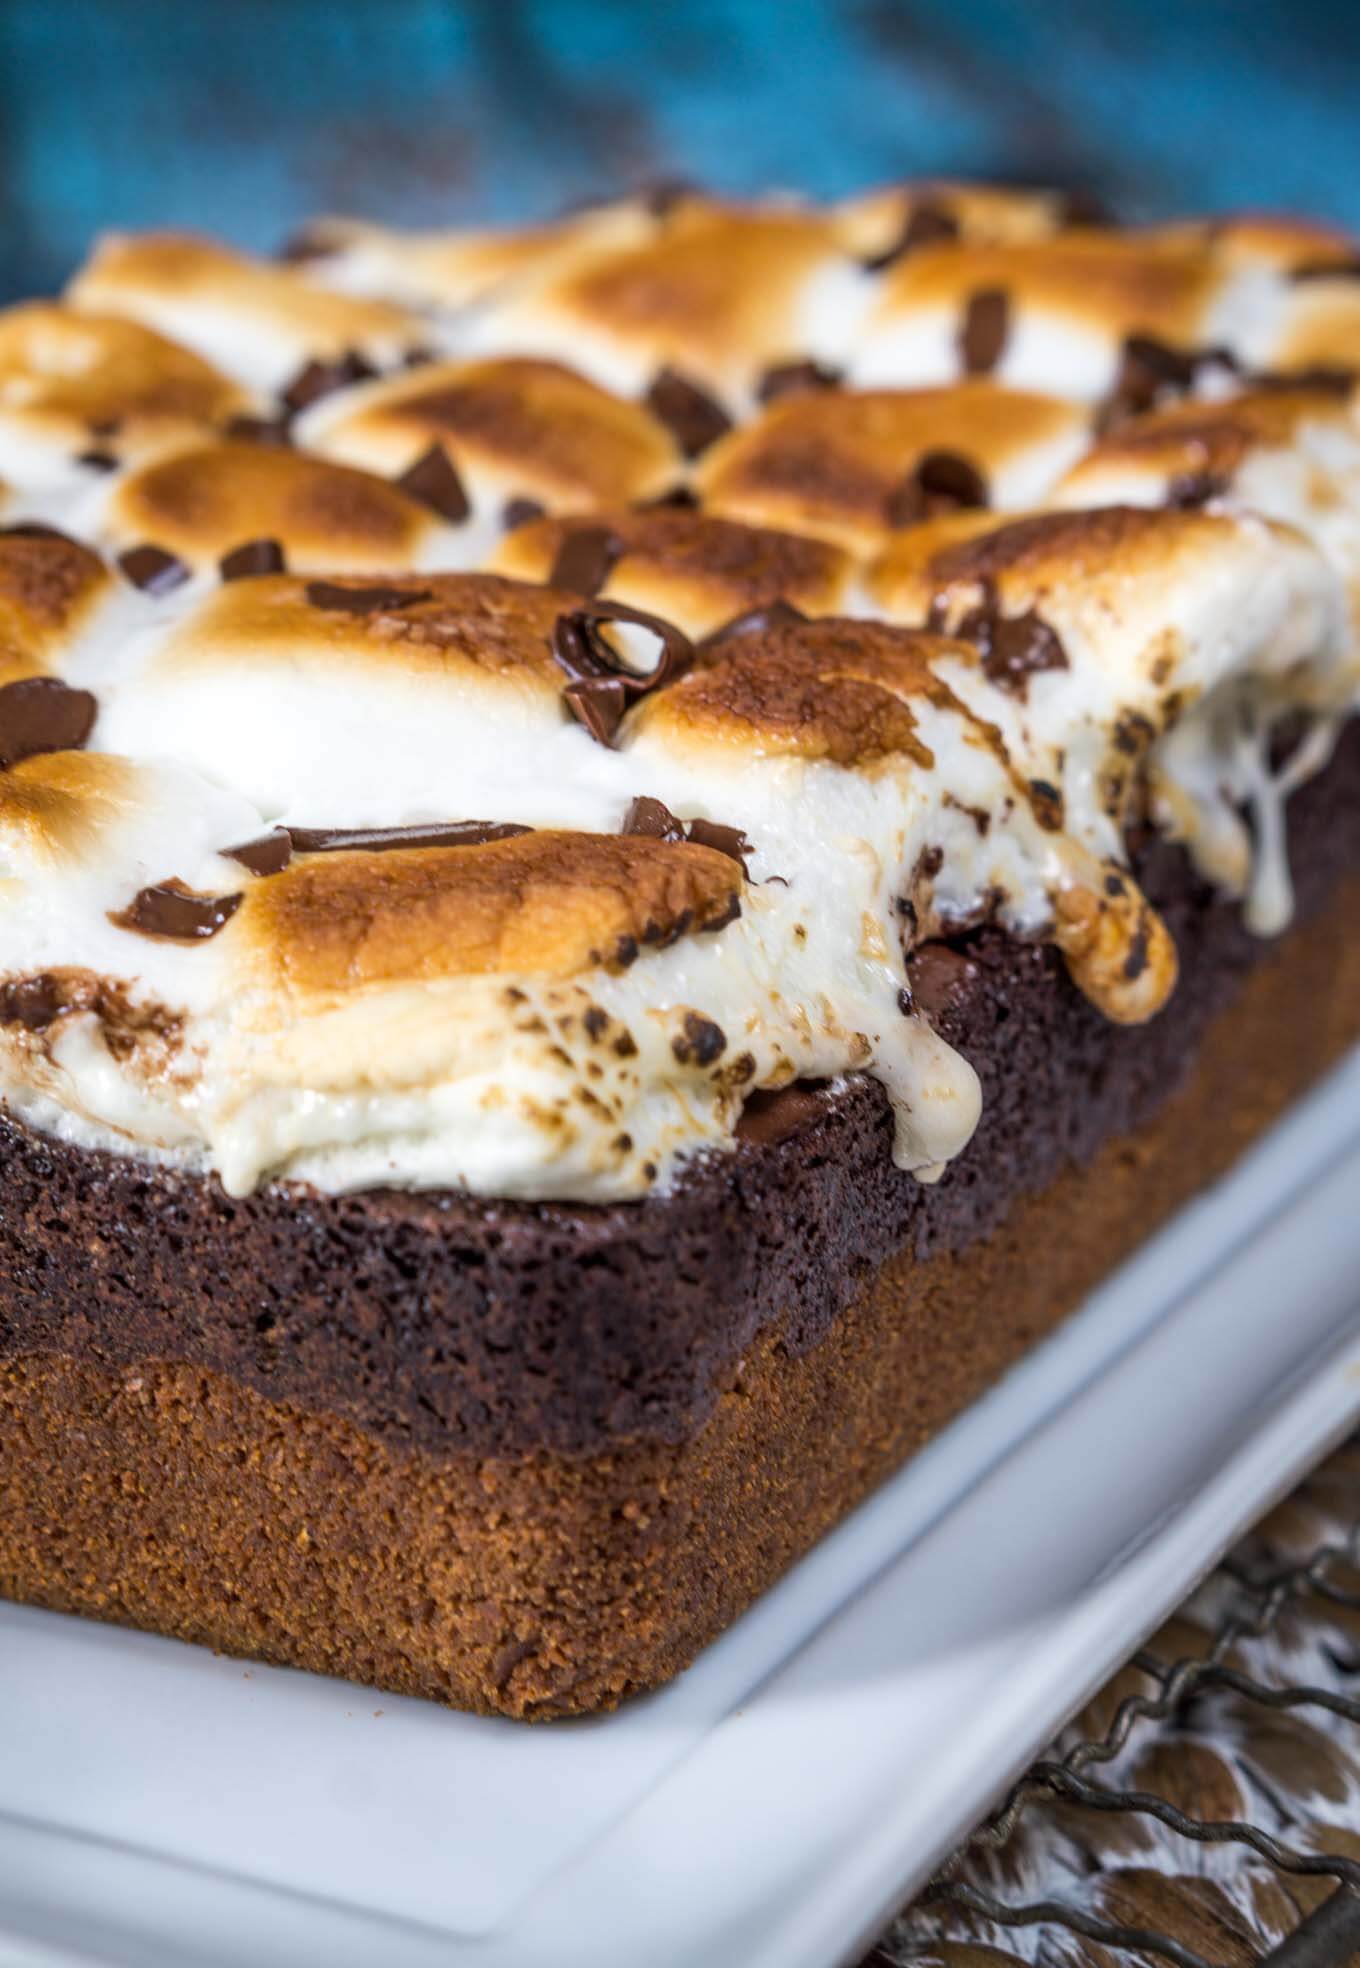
(491, 772)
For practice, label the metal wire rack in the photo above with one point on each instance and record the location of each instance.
(1204, 1808)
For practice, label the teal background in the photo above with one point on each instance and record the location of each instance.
(244, 115)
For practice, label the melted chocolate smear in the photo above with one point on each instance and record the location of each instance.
(268, 854)
(653, 819)
(1326, 270)
(586, 559)
(600, 690)
(258, 430)
(253, 557)
(677, 498)
(1150, 370)
(778, 614)
(689, 413)
(795, 379)
(939, 482)
(153, 569)
(303, 245)
(33, 1002)
(986, 322)
(363, 601)
(379, 840)
(1335, 381)
(1013, 648)
(177, 912)
(42, 714)
(520, 512)
(37, 529)
(1187, 491)
(433, 480)
(318, 379)
(924, 225)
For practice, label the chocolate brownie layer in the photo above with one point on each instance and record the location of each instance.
(452, 1323)
(172, 1496)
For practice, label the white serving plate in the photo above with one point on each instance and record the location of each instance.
(163, 1807)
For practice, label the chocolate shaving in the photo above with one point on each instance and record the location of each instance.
(924, 225)
(520, 511)
(43, 714)
(379, 840)
(173, 910)
(252, 557)
(318, 379)
(585, 559)
(341, 600)
(689, 413)
(433, 480)
(939, 482)
(600, 690)
(1013, 648)
(267, 854)
(653, 819)
(778, 614)
(986, 322)
(795, 378)
(1187, 491)
(153, 569)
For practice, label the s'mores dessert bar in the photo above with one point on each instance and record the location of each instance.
(631, 854)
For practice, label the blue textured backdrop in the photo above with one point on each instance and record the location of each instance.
(245, 116)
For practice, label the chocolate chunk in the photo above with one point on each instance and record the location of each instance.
(252, 557)
(520, 511)
(702, 1042)
(173, 910)
(318, 379)
(939, 978)
(924, 225)
(33, 1002)
(653, 819)
(774, 1114)
(373, 600)
(267, 854)
(794, 378)
(258, 430)
(689, 413)
(152, 569)
(1013, 647)
(434, 480)
(777, 614)
(379, 840)
(97, 460)
(42, 714)
(600, 690)
(585, 559)
(986, 321)
(939, 482)
(1189, 490)
(730, 841)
